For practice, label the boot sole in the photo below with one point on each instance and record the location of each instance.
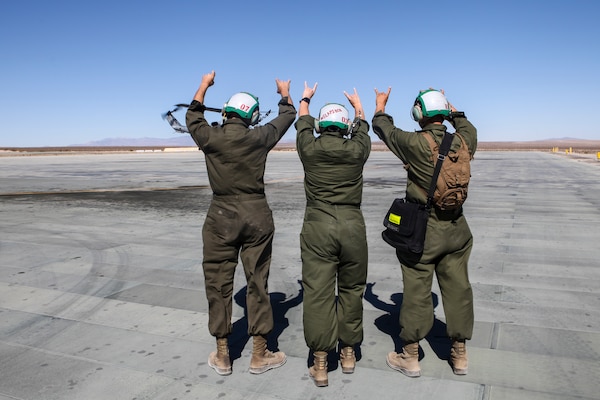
(319, 383)
(410, 374)
(220, 371)
(458, 371)
(264, 369)
(347, 370)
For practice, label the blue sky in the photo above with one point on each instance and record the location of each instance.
(72, 72)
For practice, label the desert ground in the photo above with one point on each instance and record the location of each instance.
(579, 146)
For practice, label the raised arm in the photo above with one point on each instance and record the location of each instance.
(354, 100)
(207, 81)
(381, 99)
(283, 88)
(307, 94)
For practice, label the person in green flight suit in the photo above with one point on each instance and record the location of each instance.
(448, 240)
(333, 241)
(239, 222)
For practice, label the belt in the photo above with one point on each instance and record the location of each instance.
(317, 203)
(238, 197)
(447, 215)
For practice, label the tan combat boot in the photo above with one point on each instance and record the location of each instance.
(262, 359)
(458, 357)
(347, 359)
(318, 372)
(406, 362)
(219, 360)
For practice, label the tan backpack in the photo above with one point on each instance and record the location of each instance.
(453, 181)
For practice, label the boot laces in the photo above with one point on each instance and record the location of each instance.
(459, 348)
(347, 352)
(222, 348)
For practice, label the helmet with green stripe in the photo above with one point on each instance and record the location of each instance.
(244, 105)
(430, 103)
(333, 116)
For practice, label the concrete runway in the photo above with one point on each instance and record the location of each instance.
(102, 294)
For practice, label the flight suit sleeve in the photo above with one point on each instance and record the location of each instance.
(394, 138)
(276, 128)
(360, 134)
(196, 123)
(305, 126)
(466, 129)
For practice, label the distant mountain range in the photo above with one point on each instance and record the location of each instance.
(177, 141)
(186, 140)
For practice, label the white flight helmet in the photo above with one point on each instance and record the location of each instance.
(430, 103)
(333, 115)
(243, 104)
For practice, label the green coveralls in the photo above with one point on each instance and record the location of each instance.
(333, 240)
(239, 221)
(448, 241)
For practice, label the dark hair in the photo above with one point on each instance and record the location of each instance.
(435, 118)
(233, 114)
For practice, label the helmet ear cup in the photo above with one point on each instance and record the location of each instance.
(254, 117)
(317, 127)
(417, 112)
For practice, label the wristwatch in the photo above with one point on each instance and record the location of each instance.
(457, 114)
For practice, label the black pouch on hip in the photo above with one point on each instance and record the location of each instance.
(406, 225)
